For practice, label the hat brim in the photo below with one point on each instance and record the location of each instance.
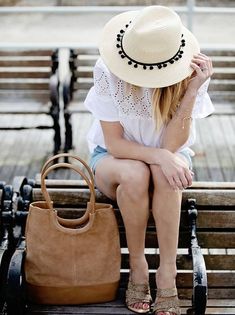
(156, 78)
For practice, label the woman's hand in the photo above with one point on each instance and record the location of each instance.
(176, 170)
(203, 70)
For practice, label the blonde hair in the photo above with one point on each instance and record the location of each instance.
(166, 100)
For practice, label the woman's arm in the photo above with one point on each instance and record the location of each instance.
(121, 148)
(174, 168)
(178, 129)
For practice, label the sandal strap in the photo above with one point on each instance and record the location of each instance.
(169, 304)
(164, 293)
(137, 293)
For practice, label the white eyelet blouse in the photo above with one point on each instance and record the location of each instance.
(112, 99)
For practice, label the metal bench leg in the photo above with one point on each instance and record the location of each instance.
(55, 107)
(68, 133)
(199, 299)
(5, 256)
(57, 135)
(7, 241)
(15, 282)
(67, 97)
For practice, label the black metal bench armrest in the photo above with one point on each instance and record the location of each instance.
(68, 84)
(15, 296)
(67, 90)
(54, 89)
(199, 268)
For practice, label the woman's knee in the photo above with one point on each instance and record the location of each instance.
(134, 178)
(159, 179)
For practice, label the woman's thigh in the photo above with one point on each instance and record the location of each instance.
(111, 172)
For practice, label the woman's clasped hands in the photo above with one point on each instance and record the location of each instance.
(176, 170)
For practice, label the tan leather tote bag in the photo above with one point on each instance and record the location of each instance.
(71, 261)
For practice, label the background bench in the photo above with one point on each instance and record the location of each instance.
(215, 230)
(29, 84)
(80, 80)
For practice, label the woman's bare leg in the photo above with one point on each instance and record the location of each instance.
(166, 207)
(127, 181)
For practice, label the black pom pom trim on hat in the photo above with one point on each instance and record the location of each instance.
(147, 66)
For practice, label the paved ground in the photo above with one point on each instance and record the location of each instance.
(85, 27)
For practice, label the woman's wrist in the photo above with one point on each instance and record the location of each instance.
(158, 156)
(191, 91)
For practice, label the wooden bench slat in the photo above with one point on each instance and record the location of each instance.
(65, 183)
(222, 85)
(204, 197)
(205, 239)
(222, 307)
(83, 62)
(20, 52)
(25, 108)
(26, 74)
(223, 61)
(24, 86)
(207, 219)
(218, 279)
(24, 95)
(224, 73)
(25, 63)
(87, 51)
(218, 219)
(213, 262)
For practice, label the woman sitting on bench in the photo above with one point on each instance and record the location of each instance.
(149, 84)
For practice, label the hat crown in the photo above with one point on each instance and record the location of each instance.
(154, 35)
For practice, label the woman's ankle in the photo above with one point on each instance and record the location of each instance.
(139, 270)
(166, 277)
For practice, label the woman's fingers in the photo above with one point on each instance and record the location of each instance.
(178, 183)
(183, 179)
(189, 176)
(204, 62)
(196, 68)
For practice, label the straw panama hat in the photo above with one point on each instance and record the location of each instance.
(148, 48)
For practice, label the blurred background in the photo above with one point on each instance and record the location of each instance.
(47, 51)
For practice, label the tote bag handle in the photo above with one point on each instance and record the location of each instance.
(45, 166)
(76, 169)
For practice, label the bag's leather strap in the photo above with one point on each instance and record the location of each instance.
(46, 165)
(76, 169)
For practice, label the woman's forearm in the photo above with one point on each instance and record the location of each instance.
(126, 149)
(121, 148)
(178, 129)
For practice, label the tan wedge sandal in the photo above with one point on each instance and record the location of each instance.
(169, 301)
(138, 293)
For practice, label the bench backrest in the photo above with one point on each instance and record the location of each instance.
(25, 74)
(215, 230)
(221, 88)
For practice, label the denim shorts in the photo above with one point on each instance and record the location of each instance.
(96, 156)
(100, 153)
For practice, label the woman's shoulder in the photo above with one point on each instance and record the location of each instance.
(100, 65)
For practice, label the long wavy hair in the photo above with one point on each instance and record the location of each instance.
(166, 100)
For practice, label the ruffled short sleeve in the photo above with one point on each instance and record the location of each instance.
(203, 105)
(99, 100)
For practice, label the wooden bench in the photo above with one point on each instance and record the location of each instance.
(80, 80)
(215, 204)
(29, 85)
